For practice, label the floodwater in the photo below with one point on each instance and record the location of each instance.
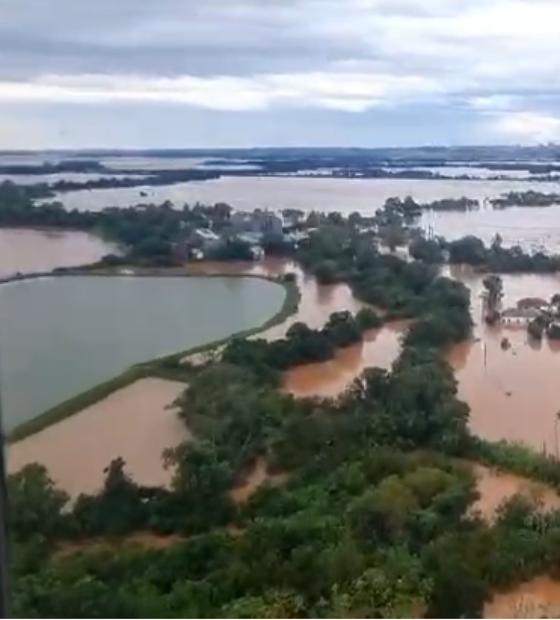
(61, 336)
(538, 598)
(29, 251)
(307, 194)
(496, 487)
(379, 348)
(81, 177)
(135, 423)
(531, 227)
(512, 394)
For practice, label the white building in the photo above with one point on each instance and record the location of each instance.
(207, 238)
(258, 221)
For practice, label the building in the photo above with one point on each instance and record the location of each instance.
(204, 239)
(197, 244)
(260, 221)
(250, 238)
(519, 316)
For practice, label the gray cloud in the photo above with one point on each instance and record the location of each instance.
(491, 64)
(167, 37)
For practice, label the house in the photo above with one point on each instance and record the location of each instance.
(259, 221)
(250, 238)
(257, 252)
(519, 316)
(532, 302)
(197, 244)
(204, 239)
(297, 236)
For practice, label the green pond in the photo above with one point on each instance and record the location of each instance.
(61, 336)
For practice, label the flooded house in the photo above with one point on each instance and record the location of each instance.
(519, 316)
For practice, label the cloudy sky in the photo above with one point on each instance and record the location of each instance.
(207, 73)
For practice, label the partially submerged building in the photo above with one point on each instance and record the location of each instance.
(519, 316)
(258, 221)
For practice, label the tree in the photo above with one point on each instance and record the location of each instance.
(494, 290)
(36, 505)
(273, 604)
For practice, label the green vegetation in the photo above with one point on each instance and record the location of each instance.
(153, 235)
(374, 517)
(472, 251)
(301, 345)
(529, 198)
(371, 514)
(150, 234)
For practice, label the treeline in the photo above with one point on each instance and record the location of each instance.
(495, 258)
(148, 233)
(155, 234)
(492, 258)
(301, 345)
(529, 198)
(128, 178)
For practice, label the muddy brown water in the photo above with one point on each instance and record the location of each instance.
(134, 423)
(537, 598)
(27, 251)
(513, 394)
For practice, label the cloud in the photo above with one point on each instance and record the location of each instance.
(494, 64)
(344, 91)
(529, 126)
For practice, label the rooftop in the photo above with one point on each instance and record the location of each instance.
(206, 234)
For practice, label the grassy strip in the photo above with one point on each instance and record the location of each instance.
(160, 367)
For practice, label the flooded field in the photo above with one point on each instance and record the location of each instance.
(513, 394)
(80, 177)
(307, 194)
(134, 423)
(531, 227)
(538, 598)
(379, 348)
(28, 251)
(496, 487)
